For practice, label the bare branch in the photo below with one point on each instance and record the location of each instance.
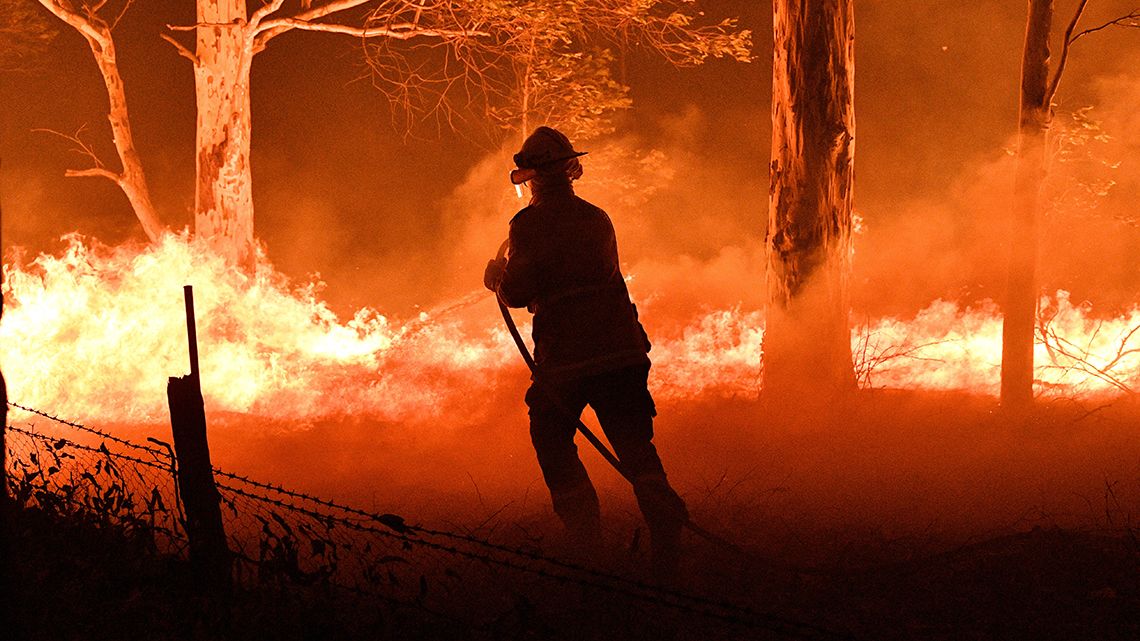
(329, 9)
(262, 39)
(93, 172)
(1130, 21)
(1068, 42)
(132, 179)
(84, 149)
(90, 26)
(122, 12)
(180, 48)
(270, 7)
(405, 31)
(194, 27)
(1083, 361)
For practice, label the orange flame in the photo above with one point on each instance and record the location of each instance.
(95, 332)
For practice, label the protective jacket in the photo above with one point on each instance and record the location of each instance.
(562, 265)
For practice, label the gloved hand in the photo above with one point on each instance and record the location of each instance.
(494, 273)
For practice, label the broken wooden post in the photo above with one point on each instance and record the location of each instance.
(209, 555)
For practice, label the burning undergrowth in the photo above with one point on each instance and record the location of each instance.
(95, 331)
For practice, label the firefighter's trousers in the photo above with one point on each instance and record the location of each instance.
(625, 409)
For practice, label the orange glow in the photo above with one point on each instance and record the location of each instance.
(96, 331)
(110, 319)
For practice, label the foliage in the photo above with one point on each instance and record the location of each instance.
(564, 57)
(24, 35)
(539, 61)
(1082, 149)
(89, 486)
(574, 89)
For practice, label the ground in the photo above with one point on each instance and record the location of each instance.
(899, 515)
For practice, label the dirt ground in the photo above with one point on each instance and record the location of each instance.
(899, 515)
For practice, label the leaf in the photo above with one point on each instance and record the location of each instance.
(277, 517)
(394, 522)
(156, 503)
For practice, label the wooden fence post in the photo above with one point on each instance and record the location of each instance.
(209, 555)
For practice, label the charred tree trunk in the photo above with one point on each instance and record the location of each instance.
(1020, 313)
(3, 444)
(223, 212)
(132, 179)
(807, 342)
(3, 425)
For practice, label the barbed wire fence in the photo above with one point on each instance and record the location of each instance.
(132, 490)
(284, 537)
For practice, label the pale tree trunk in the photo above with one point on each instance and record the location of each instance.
(132, 179)
(223, 212)
(807, 344)
(1020, 311)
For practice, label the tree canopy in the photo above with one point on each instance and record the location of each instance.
(24, 35)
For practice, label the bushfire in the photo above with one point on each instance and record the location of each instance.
(95, 332)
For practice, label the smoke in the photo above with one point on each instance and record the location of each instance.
(689, 234)
(952, 245)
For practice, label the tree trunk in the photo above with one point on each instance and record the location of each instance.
(132, 180)
(3, 426)
(1020, 313)
(807, 341)
(223, 212)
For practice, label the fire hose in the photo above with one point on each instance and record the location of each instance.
(601, 447)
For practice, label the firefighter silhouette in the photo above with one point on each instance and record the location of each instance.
(589, 346)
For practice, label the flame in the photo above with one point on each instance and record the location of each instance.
(95, 331)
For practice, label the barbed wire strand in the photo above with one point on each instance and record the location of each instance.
(90, 430)
(732, 614)
(520, 552)
(394, 527)
(87, 448)
(39, 444)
